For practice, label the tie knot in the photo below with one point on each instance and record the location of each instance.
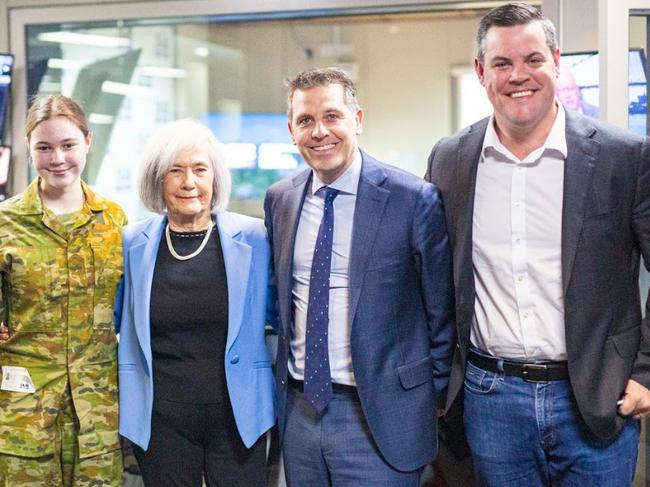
(330, 194)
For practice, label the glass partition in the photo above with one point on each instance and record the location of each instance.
(131, 76)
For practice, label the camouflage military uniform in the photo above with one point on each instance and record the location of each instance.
(59, 284)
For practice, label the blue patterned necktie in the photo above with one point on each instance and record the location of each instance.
(318, 381)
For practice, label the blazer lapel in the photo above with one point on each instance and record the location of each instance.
(371, 200)
(142, 257)
(578, 173)
(285, 235)
(470, 146)
(237, 259)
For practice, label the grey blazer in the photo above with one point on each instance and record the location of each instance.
(401, 304)
(605, 228)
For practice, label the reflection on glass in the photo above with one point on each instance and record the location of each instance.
(578, 87)
(259, 149)
(6, 67)
(100, 87)
(5, 158)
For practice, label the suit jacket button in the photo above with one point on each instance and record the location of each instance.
(235, 359)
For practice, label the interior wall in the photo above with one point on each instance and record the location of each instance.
(638, 32)
(420, 84)
(580, 25)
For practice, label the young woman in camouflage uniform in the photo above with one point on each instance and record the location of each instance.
(60, 263)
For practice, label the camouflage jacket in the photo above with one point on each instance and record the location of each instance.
(58, 290)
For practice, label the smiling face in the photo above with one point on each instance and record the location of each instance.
(325, 129)
(187, 188)
(519, 73)
(58, 149)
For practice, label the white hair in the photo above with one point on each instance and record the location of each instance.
(162, 149)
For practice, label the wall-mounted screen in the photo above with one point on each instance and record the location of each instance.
(6, 67)
(258, 149)
(577, 86)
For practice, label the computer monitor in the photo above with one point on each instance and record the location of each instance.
(578, 86)
(6, 68)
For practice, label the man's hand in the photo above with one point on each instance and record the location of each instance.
(636, 400)
(4, 332)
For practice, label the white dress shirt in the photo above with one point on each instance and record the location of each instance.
(517, 251)
(340, 355)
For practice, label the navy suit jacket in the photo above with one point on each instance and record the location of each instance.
(605, 228)
(401, 303)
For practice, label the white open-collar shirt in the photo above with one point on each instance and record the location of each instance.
(517, 250)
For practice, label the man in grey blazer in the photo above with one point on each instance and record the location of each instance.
(549, 213)
(365, 299)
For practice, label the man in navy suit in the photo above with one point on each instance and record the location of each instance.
(549, 213)
(366, 326)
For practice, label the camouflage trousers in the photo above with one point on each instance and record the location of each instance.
(64, 468)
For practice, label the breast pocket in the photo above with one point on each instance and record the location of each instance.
(30, 290)
(107, 261)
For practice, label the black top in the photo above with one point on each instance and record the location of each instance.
(189, 321)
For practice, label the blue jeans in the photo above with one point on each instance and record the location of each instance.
(335, 449)
(531, 434)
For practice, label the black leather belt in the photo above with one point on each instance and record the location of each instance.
(336, 388)
(533, 372)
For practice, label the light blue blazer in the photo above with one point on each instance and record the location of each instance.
(248, 370)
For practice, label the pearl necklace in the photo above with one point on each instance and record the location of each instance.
(193, 254)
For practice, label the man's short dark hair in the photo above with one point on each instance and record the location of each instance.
(510, 15)
(314, 77)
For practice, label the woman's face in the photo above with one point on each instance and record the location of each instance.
(58, 149)
(188, 186)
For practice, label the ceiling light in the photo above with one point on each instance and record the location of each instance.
(64, 37)
(56, 63)
(162, 72)
(115, 88)
(201, 51)
(101, 119)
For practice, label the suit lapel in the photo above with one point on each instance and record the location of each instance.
(578, 173)
(142, 257)
(285, 236)
(469, 154)
(237, 259)
(369, 210)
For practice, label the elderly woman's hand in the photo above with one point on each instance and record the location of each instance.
(4, 332)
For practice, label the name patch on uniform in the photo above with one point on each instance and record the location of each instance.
(16, 379)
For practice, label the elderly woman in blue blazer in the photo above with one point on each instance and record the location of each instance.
(196, 388)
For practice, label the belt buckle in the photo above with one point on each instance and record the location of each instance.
(534, 373)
